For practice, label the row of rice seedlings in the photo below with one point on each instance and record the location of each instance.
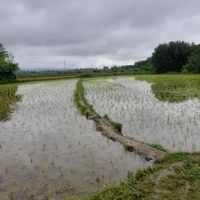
(174, 125)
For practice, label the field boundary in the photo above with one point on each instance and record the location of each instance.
(107, 129)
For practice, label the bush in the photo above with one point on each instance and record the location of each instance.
(8, 67)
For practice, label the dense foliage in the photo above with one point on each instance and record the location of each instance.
(171, 57)
(193, 64)
(145, 65)
(8, 67)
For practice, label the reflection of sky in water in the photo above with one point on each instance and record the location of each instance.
(48, 146)
(174, 125)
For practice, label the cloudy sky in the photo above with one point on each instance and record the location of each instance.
(93, 33)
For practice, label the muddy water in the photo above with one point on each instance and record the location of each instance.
(174, 125)
(48, 150)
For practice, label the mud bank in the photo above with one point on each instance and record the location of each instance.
(108, 130)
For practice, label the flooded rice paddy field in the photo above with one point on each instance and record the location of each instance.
(176, 126)
(47, 149)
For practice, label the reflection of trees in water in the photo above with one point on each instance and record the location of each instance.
(8, 100)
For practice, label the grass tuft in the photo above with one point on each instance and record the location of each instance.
(115, 125)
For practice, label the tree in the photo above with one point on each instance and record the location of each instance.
(193, 64)
(171, 57)
(145, 65)
(8, 67)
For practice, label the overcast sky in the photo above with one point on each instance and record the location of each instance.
(93, 33)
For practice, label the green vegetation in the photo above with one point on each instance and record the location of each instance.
(115, 125)
(193, 64)
(145, 66)
(160, 147)
(173, 88)
(177, 176)
(171, 57)
(44, 77)
(8, 98)
(87, 110)
(79, 96)
(8, 67)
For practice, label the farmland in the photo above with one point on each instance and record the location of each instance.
(56, 142)
(47, 148)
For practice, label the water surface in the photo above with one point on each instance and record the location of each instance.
(48, 149)
(174, 125)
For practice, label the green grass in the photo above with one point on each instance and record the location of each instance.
(87, 110)
(79, 95)
(43, 78)
(116, 125)
(177, 176)
(159, 147)
(173, 88)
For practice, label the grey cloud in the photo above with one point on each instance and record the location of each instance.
(93, 32)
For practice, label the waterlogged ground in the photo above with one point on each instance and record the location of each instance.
(48, 150)
(174, 125)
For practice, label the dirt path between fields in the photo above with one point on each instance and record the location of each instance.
(130, 144)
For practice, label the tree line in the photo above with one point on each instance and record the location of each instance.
(178, 56)
(172, 57)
